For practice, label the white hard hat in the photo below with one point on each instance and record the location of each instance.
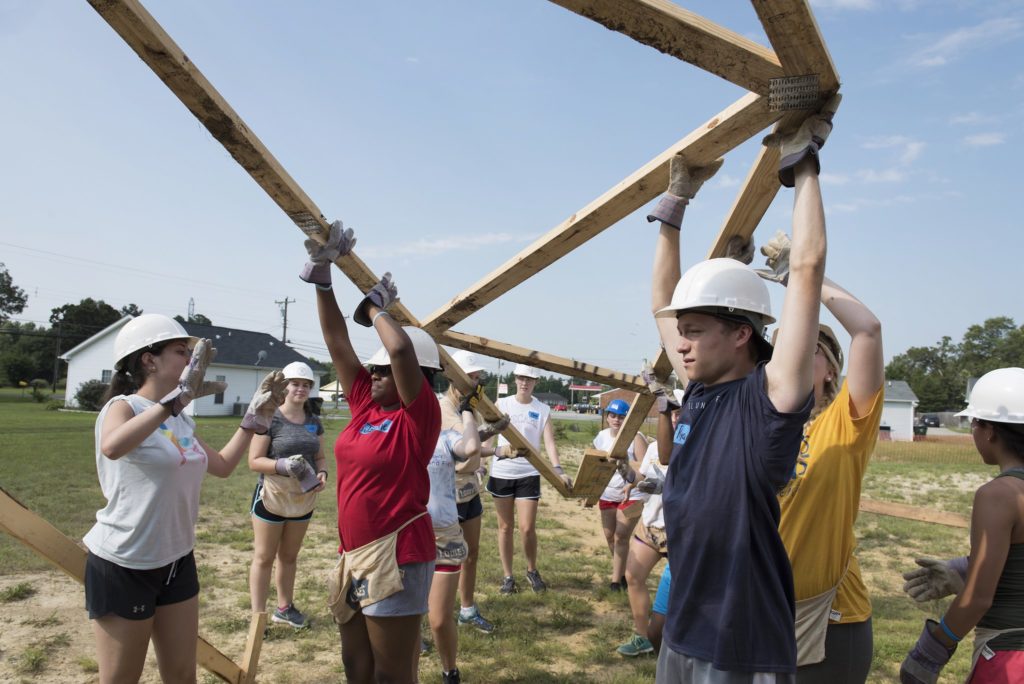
(526, 371)
(144, 331)
(467, 361)
(422, 343)
(998, 397)
(296, 370)
(724, 286)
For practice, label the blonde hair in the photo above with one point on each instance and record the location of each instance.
(828, 395)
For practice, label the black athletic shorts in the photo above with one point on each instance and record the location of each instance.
(135, 594)
(473, 508)
(260, 511)
(518, 488)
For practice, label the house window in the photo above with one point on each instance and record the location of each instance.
(218, 398)
(105, 376)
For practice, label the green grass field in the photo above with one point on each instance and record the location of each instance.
(566, 635)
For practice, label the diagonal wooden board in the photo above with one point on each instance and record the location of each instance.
(596, 469)
(46, 540)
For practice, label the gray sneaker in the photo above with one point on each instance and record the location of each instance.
(290, 616)
(477, 620)
(508, 586)
(536, 583)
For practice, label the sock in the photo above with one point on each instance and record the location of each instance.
(468, 612)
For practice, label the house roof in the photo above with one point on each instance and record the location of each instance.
(550, 398)
(234, 347)
(899, 390)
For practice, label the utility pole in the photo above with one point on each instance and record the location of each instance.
(284, 312)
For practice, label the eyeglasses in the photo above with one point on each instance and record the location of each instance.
(379, 371)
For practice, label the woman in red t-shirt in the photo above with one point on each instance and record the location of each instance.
(383, 486)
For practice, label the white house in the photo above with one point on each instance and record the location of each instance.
(243, 358)
(898, 410)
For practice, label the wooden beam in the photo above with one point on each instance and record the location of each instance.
(490, 412)
(638, 412)
(46, 540)
(797, 40)
(723, 132)
(670, 29)
(556, 364)
(755, 196)
(908, 512)
(594, 473)
(253, 646)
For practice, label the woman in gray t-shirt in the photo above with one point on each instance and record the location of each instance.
(291, 464)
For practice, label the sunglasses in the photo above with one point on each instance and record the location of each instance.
(379, 371)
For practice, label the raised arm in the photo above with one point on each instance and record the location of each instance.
(790, 373)
(865, 366)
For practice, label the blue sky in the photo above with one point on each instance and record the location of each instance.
(450, 135)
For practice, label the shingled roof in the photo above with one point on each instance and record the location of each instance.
(242, 347)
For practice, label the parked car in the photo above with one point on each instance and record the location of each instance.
(931, 419)
(559, 407)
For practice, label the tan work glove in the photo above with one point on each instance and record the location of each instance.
(664, 398)
(191, 384)
(777, 252)
(805, 141)
(268, 397)
(683, 183)
(739, 249)
(935, 579)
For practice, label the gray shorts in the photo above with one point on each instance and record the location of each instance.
(412, 600)
(676, 668)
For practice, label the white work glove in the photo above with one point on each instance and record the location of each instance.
(268, 396)
(805, 141)
(777, 252)
(383, 294)
(318, 269)
(683, 183)
(298, 467)
(935, 579)
(664, 398)
(191, 384)
(740, 249)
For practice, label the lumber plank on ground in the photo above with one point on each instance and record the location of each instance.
(721, 133)
(36, 533)
(253, 646)
(551, 362)
(670, 29)
(917, 513)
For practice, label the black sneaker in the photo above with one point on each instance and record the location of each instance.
(536, 583)
(452, 677)
(615, 587)
(290, 616)
(508, 586)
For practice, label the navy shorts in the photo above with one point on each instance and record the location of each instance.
(518, 488)
(135, 594)
(260, 511)
(473, 508)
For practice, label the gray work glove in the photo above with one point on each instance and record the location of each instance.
(683, 183)
(190, 384)
(383, 295)
(777, 252)
(566, 480)
(491, 429)
(651, 485)
(318, 269)
(298, 467)
(805, 141)
(625, 470)
(268, 397)
(935, 579)
(664, 398)
(926, 659)
(740, 249)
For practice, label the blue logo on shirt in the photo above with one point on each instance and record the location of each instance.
(385, 426)
(311, 428)
(682, 432)
(533, 415)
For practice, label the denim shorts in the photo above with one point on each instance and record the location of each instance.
(412, 600)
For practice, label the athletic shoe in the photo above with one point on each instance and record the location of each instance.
(637, 645)
(290, 616)
(614, 587)
(508, 586)
(476, 620)
(424, 646)
(452, 677)
(536, 583)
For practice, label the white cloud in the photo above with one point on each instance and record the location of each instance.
(727, 181)
(985, 139)
(907, 151)
(844, 4)
(834, 179)
(971, 118)
(954, 45)
(890, 175)
(428, 247)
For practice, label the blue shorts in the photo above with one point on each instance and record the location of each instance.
(661, 598)
(413, 599)
(473, 508)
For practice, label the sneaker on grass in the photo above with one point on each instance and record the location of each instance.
(536, 583)
(475, 619)
(508, 586)
(290, 616)
(637, 645)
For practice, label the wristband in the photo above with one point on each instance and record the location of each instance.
(948, 631)
(558, 468)
(377, 315)
(326, 474)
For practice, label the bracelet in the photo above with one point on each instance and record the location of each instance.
(558, 468)
(948, 631)
(377, 315)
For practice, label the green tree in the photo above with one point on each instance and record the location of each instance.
(12, 298)
(27, 341)
(198, 319)
(78, 322)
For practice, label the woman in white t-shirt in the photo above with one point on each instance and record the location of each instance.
(515, 484)
(141, 581)
(620, 503)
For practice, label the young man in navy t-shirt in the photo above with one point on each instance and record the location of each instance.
(730, 615)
